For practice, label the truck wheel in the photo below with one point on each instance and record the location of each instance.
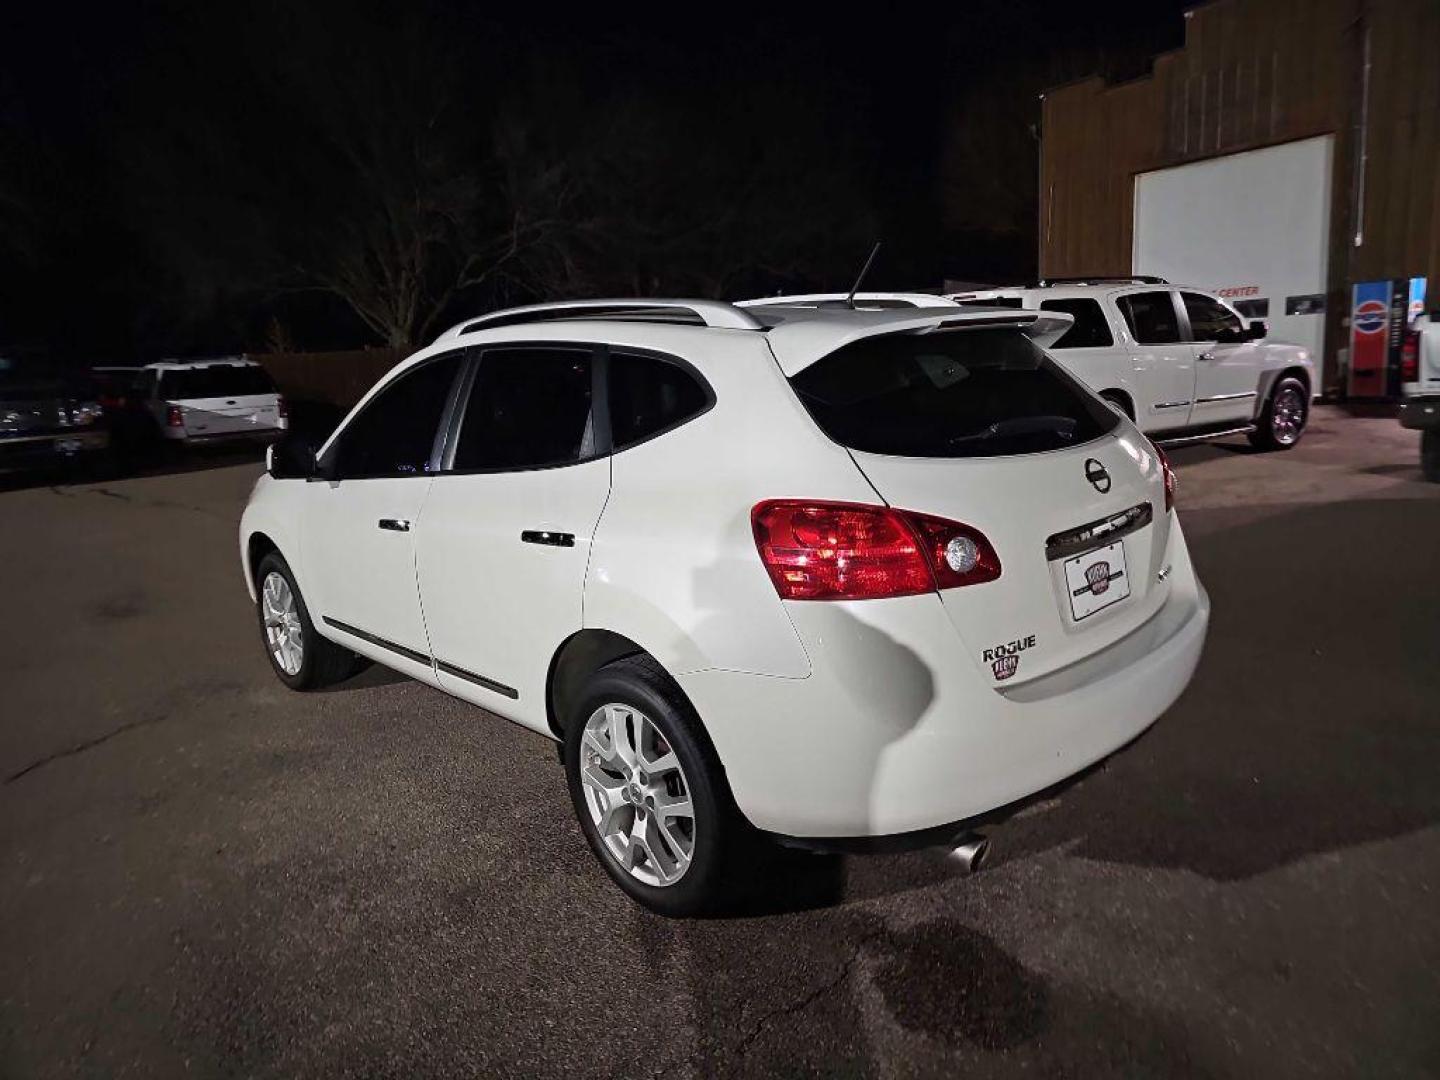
(650, 793)
(1430, 454)
(1283, 419)
(302, 659)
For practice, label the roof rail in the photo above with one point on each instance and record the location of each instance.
(712, 313)
(1124, 279)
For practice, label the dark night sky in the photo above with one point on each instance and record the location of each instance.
(174, 177)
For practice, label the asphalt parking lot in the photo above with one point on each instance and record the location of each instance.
(203, 873)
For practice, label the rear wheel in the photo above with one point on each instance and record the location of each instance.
(1430, 455)
(649, 791)
(1283, 419)
(302, 659)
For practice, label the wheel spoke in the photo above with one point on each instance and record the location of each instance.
(617, 718)
(608, 799)
(669, 807)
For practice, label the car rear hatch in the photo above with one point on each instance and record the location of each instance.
(222, 399)
(980, 426)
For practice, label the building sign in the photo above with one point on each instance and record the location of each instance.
(1233, 292)
(1369, 340)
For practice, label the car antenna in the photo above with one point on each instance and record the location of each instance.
(850, 300)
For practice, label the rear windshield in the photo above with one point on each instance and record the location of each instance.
(964, 393)
(223, 380)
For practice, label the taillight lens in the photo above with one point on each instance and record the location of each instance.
(1410, 357)
(1169, 474)
(282, 409)
(173, 417)
(852, 551)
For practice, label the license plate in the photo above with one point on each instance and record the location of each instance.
(1097, 579)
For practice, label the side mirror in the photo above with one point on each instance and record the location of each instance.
(292, 458)
(1256, 330)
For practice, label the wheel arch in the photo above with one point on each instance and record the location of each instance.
(578, 658)
(257, 545)
(1269, 379)
(1122, 398)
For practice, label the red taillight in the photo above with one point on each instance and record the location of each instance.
(1410, 357)
(173, 417)
(852, 551)
(1169, 478)
(281, 408)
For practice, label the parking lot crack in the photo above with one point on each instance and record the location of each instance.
(823, 990)
(80, 748)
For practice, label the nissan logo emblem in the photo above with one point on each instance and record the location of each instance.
(1096, 474)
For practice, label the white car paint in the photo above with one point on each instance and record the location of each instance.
(198, 414)
(830, 719)
(1177, 388)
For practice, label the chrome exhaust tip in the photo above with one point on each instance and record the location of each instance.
(967, 852)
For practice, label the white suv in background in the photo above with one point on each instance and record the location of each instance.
(797, 571)
(1179, 361)
(193, 401)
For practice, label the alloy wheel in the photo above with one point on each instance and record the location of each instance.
(1287, 416)
(283, 632)
(637, 795)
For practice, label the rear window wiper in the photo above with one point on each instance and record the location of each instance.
(1060, 426)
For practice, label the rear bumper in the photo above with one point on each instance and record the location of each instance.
(255, 434)
(1422, 414)
(894, 733)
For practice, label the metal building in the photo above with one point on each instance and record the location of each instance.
(1288, 155)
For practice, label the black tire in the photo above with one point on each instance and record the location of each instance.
(722, 838)
(1430, 455)
(1119, 402)
(323, 663)
(1265, 435)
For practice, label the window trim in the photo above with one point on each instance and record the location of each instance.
(327, 461)
(455, 417)
(666, 358)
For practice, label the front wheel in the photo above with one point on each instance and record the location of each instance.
(1283, 419)
(301, 658)
(649, 792)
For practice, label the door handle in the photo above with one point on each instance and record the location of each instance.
(1208, 356)
(550, 539)
(395, 524)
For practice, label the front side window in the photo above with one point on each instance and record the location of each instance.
(649, 395)
(962, 393)
(1151, 317)
(529, 407)
(394, 434)
(1210, 320)
(1089, 331)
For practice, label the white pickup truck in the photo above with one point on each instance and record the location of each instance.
(1420, 383)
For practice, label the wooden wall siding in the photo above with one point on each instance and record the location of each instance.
(1253, 73)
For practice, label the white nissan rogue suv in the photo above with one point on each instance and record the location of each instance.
(821, 574)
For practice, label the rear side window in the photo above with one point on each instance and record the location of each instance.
(220, 380)
(1089, 331)
(649, 395)
(395, 432)
(528, 408)
(964, 393)
(1210, 320)
(1151, 317)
